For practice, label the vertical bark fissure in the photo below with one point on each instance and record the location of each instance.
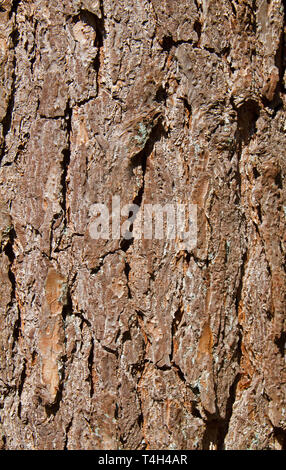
(67, 430)
(90, 367)
(141, 159)
(66, 162)
(7, 121)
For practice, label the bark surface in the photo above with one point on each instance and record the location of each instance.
(115, 344)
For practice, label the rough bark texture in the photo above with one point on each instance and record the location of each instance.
(140, 344)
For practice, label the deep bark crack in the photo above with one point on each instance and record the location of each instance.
(66, 161)
(140, 159)
(90, 368)
(7, 121)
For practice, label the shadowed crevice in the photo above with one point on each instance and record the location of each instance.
(20, 387)
(90, 368)
(217, 427)
(281, 343)
(140, 160)
(280, 436)
(66, 161)
(7, 121)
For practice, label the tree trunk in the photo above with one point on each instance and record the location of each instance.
(135, 343)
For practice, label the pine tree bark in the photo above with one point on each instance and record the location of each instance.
(134, 344)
